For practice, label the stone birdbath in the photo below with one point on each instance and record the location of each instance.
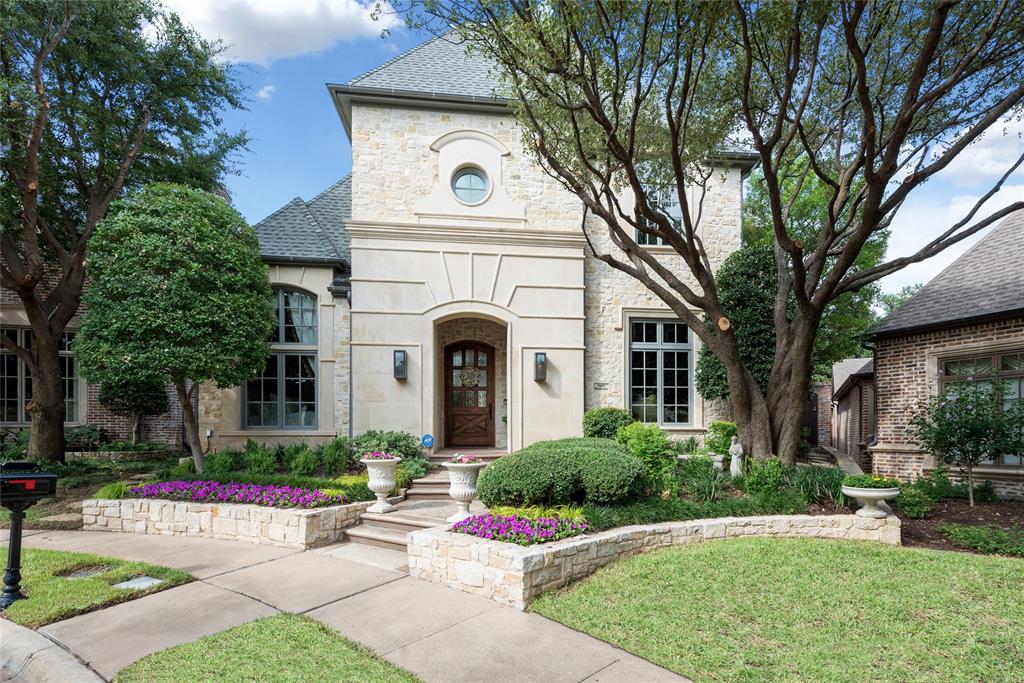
(463, 471)
(381, 468)
(869, 490)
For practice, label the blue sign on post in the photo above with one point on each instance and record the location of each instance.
(428, 440)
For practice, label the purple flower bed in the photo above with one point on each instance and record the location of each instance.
(250, 494)
(519, 530)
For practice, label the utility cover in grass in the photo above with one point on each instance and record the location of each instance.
(139, 583)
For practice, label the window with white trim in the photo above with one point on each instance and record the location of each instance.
(283, 396)
(1006, 368)
(660, 372)
(16, 379)
(667, 200)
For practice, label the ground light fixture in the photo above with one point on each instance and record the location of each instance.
(22, 485)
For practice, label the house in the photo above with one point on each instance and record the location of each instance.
(444, 288)
(967, 322)
(853, 401)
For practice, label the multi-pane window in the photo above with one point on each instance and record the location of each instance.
(986, 370)
(16, 379)
(666, 199)
(284, 393)
(660, 371)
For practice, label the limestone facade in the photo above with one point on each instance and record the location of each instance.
(514, 575)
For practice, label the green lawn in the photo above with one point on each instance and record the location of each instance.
(807, 610)
(53, 596)
(285, 647)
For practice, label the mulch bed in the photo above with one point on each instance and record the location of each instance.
(924, 533)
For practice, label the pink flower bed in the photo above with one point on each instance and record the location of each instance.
(247, 494)
(519, 530)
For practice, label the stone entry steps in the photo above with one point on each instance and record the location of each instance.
(387, 530)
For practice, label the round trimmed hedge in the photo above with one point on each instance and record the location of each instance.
(565, 471)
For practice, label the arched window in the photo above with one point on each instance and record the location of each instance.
(283, 396)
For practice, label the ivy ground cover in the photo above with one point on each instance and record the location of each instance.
(807, 610)
(234, 492)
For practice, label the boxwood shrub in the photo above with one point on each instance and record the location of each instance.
(561, 472)
(604, 423)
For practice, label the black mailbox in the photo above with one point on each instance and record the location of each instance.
(22, 485)
(22, 482)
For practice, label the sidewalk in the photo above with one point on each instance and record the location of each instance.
(437, 633)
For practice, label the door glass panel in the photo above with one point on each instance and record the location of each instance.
(481, 399)
(470, 357)
(456, 378)
(483, 379)
(482, 359)
(457, 359)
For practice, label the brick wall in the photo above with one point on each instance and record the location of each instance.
(164, 428)
(823, 396)
(907, 371)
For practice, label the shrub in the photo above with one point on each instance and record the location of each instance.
(305, 462)
(823, 485)
(83, 438)
(654, 510)
(224, 461)
(686, 446)
(764, 475)
(702, 479)
(402, 444)
(561, 472)
(338, 455)
(571, 512)
(113, 491)
(914, 502)
(986, 539)
(782, 501)
(135, 399)
(870, 481)
(604, 423)
(408, 470)
(936, 484)
(650, 443)
(15, 446)
(719, 436)
(985, 493)
(287, 454)
(259, 459)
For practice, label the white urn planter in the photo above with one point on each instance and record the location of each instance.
(869, 499)
(462, 487)
(382, 481)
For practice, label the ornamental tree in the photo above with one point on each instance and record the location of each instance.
(135, 399)
(95, 98)
(968, 424)
(623, 101)
(178, 296)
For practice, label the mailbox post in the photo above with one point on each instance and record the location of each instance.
(22, 485)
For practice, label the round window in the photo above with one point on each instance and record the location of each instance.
(470, 185)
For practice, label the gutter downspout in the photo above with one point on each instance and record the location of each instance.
(351, 408)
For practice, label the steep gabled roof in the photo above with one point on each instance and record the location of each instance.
(441, 66)
(846, 369)
(311, 231)
(986, 282)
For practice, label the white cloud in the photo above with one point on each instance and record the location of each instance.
(988, 157)
(925, 217)
(261, 31)
(266, 92)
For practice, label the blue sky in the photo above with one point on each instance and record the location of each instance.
(287, 50)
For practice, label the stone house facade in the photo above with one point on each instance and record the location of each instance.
(445, 287)
(967, 324)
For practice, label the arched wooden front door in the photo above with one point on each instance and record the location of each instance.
(469, 394)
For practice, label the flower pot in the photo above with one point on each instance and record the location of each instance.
(869, 498)
(382, 481)
(462, 488)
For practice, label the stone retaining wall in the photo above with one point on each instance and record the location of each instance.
(513, 575)
(116, 456)
(282, 527)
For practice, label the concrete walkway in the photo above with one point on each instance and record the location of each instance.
(437, 633)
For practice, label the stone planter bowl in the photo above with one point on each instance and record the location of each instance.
(382, 481)
(869, 499)
(462, 489)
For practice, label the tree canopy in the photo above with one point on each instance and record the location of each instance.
(179, 295)
(95, 98)
(619, 101)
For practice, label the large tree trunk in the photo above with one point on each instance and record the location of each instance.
(46, 442)
(191, 420)
(136, 427)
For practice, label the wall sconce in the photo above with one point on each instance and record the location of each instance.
(401, 364)
(540, 366)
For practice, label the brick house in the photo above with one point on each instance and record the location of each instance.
(968, 321)
(445, 287)
(853, 401)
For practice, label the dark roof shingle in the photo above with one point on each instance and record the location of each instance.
(986, 281)
(441, 66)
(313, 230)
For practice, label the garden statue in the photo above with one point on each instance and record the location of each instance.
(736, 452)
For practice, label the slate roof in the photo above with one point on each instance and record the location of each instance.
(440, 66)
(986, 282)
(312, 231)
(848, 368)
